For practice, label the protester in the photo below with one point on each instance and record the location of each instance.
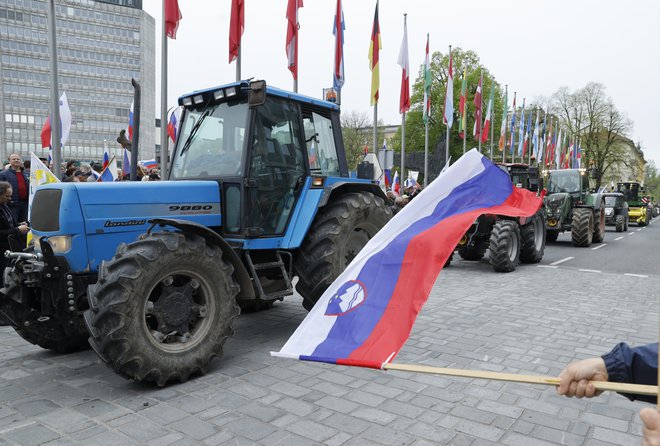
(20, 184)
(624, 364)
(8, 226)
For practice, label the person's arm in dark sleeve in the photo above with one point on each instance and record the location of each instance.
(636, 365)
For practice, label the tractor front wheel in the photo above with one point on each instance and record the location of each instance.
(582, 227)
(340, 230)
(505, 246)
(532, 239)
(162, 308)
(620, 223)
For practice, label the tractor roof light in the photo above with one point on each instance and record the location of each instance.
(187, 102)
(219, 94)
(231, 91)
(198, 99)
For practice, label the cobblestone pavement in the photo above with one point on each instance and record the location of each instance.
(533, 321)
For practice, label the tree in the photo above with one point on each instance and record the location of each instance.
(357, 130)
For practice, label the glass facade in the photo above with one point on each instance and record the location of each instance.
(101, 46)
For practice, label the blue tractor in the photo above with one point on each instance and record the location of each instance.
(154, 273)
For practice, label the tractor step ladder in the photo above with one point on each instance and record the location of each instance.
(258, 269)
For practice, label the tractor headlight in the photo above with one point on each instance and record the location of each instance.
(59, 243)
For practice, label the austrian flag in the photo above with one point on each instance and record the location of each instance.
(364, 318)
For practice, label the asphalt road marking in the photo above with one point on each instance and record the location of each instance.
(635, 275)
(599, 246)
(631, 233)
(547, 266)
(618, 238)
(639, 229)
(562, 261)
(589, 270)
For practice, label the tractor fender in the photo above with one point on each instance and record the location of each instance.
(240, 273)
(343, 187)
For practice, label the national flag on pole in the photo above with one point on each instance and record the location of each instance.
(126, 165)
(489, 111)
(462, 124)
(172, 17)
(448, 117)
(173, 124)
(548, 147)
(395, 183)
(65, 125)
(404, 97)
(106, 157)
(427, 83)
(130, 122)
(476, 133)
(535, 136)
(521, 130)
(388, 178)
(513, 124)
(292, 35)
(338, 31)
(109, 172)
(374, 50)
(236, 27)
(505, 112)
(366, 315)
(527, 129)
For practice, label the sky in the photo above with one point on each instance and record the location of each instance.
(535, 47)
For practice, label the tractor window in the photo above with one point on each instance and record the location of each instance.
(211, 142)
(564, 181)
(321, 149)
(276, 165)
(610, 201)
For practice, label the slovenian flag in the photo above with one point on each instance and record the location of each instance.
(364, 318)
(130, 122)
(396, 187)
(173, 124)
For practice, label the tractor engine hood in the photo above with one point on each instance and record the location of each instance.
(556, 201)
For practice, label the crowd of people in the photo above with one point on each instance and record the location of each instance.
(398, 201)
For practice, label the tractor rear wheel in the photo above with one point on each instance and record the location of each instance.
(505, 246)
(532, 239)
(162, 308)
(599, 229)
(582, 227)
(340, 230)
(551, 236)
(46, 332)
(620, 223)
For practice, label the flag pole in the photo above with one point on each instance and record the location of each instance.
(163, 101)
(492, 120)
(426, 151)
(426, 157)
(481, 105)
(506, 106)
(465, 114)
(238, 64)
(403, 119)
(529, 145)
(513, 133)
(56, 131)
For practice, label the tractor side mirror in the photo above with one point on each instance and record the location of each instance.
(257, 93)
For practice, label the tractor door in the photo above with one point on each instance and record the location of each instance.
(276, 167)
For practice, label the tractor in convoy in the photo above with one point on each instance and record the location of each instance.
(508, 240)
(571, 206)
(152, 274)
(616, 211)
(638, 205)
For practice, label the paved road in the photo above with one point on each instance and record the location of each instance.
(532, 321)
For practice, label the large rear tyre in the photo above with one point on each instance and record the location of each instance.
(551, 236)
(504, 246)
(473, 252)
(599, 229)
(532, 239)
(339, 231)
(582, 227)
(45, 332)
(620, 223)
(162, 308)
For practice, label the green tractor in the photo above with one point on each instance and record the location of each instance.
(638, 205)
(509, 240)
(571, 206)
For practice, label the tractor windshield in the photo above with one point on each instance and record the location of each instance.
(564, 181)
(610, 201)
(211, 142)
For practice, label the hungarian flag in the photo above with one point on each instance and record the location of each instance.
(477, 108)
(448, 117)
(172, 17)
(502, 141)
(427, 83)
(461, 105)
(236, 28)
(292, 35)
(374, 50)
(404, 97)
(338, 30)
(489, 111)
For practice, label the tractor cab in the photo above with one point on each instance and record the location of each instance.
(634, 194)
(260, 144)
(571, 181)
(631, 191)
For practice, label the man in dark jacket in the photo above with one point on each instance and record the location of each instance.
(624, 364)
(20, 184)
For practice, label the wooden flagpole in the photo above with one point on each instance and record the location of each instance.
(636, 389)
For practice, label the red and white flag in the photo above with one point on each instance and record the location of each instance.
(292, 35)
(448, 117)
(404, 97)
(477, 108)
(236, 28)
(488, 118)
(172, 17)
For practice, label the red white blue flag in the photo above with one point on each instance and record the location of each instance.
(364, 318)
(173, 124)
(130, 122)
(338, 28)
(396, 186)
